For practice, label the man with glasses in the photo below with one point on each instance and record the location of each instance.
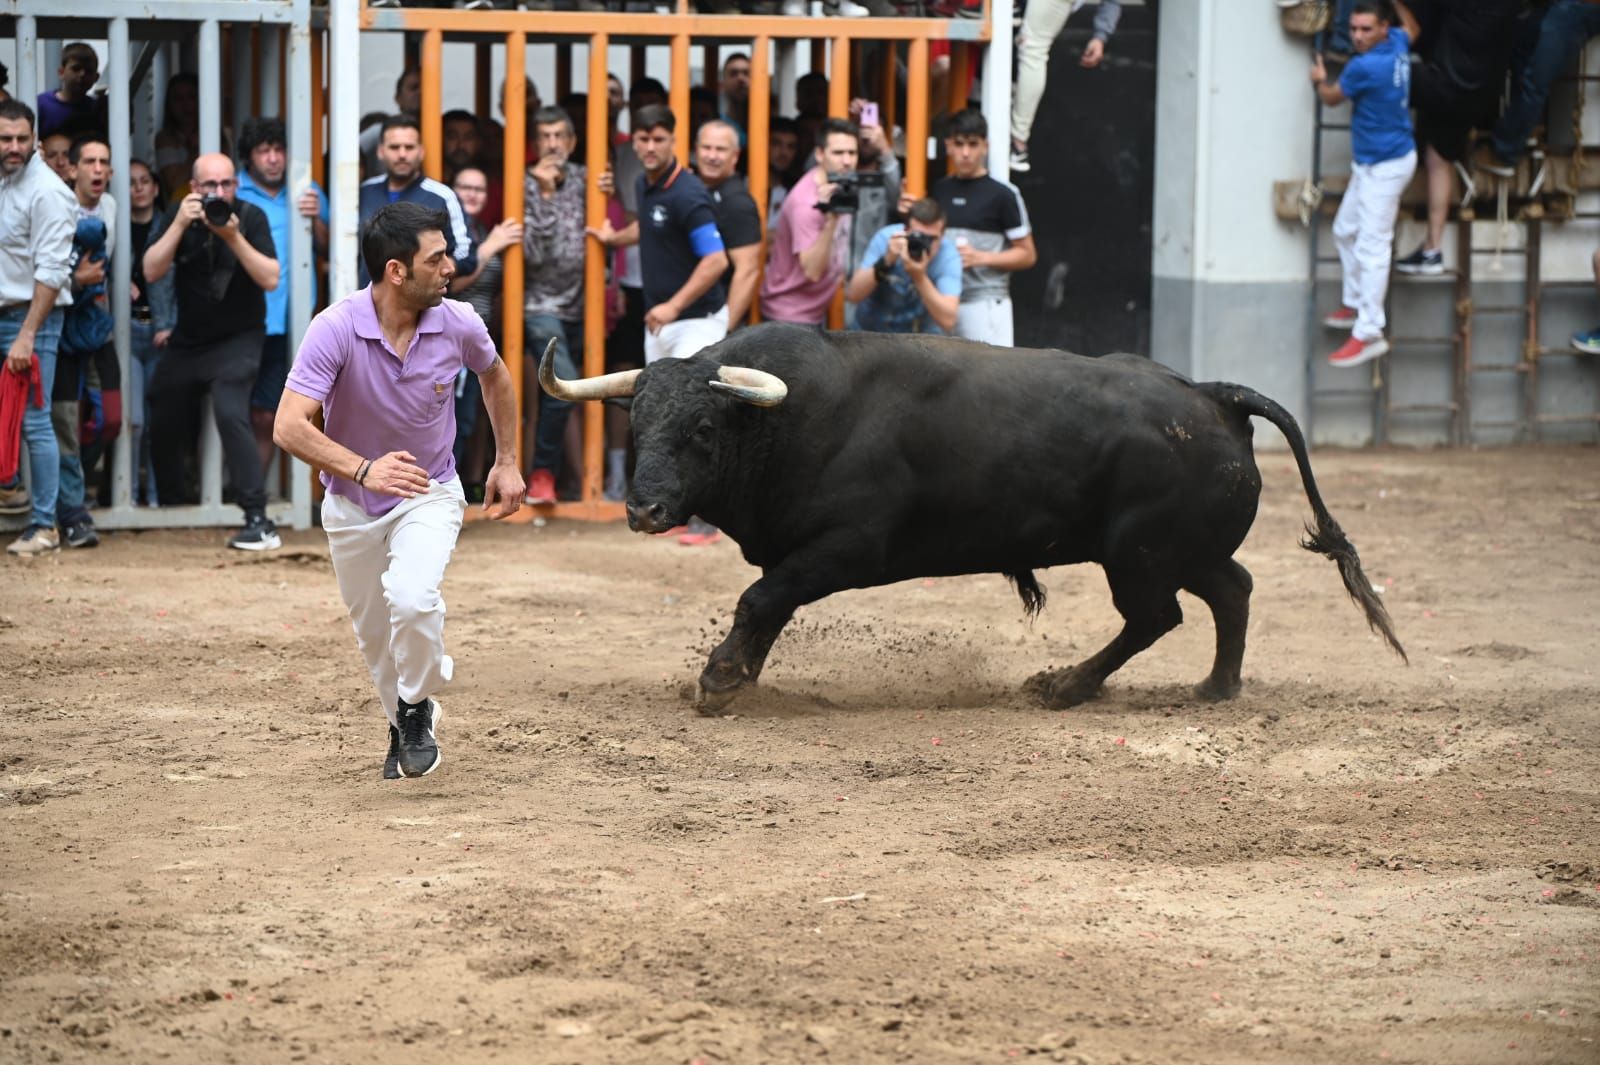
(220, 251)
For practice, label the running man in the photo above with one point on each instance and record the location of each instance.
(381, 366)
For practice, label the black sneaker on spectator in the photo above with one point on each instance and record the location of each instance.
(1422, 262)
(81, 534)
(391, 764)
(258, 534)
(1019, 160)
(419, 749)
(35, 540)
(15, 500)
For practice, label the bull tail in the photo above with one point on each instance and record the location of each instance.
(1030, 590)
(1325, 537)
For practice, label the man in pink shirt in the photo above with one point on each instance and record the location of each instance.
(811, 248)
(380, 366)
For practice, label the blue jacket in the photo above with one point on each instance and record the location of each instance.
(431, 194)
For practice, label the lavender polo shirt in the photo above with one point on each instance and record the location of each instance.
(375, 402)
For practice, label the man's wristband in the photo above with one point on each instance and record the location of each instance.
(362, 471)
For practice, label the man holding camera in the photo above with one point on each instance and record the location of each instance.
(910, 279)
(811, 245)
(223, 261)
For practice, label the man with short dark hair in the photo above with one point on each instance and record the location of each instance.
(553, 246)
(717, 163)
(811, 240)
(909, 280)
(72, 100)
(407, 101)
(463, 143)
(221, 254)
(783, 157)
(262, 146)
(380, 367)
(400, 151)
(988, 223)
(35, 257)
(735, 101)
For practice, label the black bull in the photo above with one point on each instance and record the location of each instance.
(850, 460)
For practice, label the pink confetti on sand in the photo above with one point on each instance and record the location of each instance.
(1121, 741)
(937, 742)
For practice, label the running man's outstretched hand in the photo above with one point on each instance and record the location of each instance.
(504, 484)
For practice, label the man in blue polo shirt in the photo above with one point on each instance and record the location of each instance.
(402, 180)
(262, 147)
(681, 256)
(1377, 82)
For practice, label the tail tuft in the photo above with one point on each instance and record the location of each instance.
(1328, 540)
(1030, 590)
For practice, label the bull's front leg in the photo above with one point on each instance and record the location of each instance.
(764, 609)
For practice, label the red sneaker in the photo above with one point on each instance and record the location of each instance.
(541, 488)
(1354, 352)
(700, 539)
(1343, 318)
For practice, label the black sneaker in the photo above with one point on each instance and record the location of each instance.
(80, 534)
(1421, 262)
(258, 534)
(391, 764)
(419, 751)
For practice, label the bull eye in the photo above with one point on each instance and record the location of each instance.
(704, 434)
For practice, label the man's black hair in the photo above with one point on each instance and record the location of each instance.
(88, 137)
(404, 74)
(258, 131)
(13, 109)
(968, 123)
(1382, 9)
(783, 124)
(927, 211)
(838, 125)
(646, 85)
(401, 121)
(731, 58)
(655, 116)
(459, 115)
(395, 232)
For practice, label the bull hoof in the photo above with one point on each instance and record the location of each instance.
(713, 699)
(1215, 691)
(1060, 688)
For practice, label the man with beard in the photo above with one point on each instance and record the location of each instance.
(266, 159)
(380, 366)
(463, 144)
(400, 150)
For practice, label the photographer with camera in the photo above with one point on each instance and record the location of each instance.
(221, 254)
(910, 279)
(811, 244)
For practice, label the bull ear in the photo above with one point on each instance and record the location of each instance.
(755, 387)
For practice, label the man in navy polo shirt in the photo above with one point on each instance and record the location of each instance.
(1377, 81)
(262, 147)
(402, 180)
(681, 256)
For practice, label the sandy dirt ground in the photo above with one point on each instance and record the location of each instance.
(888, 853)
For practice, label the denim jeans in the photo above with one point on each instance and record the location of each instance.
(70, 508)
(38, 435)
(1566, 26)
(553, 413)
(141, 368)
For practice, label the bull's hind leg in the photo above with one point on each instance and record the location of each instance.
(1149, 611)
(1225, 588)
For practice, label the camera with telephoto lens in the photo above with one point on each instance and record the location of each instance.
(918, 244)
(217, 209)
(846, 197)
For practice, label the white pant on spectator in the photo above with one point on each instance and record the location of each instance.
(1041, 25)
(1364, 232)
(685, 337)
(389, 570)
(987, 319)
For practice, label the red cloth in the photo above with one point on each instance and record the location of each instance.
(13, 400)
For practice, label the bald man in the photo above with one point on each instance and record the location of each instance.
(220, 252)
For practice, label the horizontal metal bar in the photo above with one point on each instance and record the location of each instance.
(543, 25)
(1421, 341)
(217, 515)
(1585, 284)
(175, 10)
(1500, 424)
(1549, 419)
(1448, 275)
(1509, 308)
(1502, 251)
(1334, 393)
(1498, 367)
(1423, 408)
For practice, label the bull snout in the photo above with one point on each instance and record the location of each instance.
(648, 517)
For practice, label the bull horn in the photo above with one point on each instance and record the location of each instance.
(755, 387)
(607, 386)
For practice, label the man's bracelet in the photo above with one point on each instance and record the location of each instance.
(362, 471)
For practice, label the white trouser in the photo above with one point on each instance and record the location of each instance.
(1364, 232)
(987, 319)
(1041, 25)
(685, 337)
(389, 570)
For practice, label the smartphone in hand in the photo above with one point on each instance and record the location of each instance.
(869, 114)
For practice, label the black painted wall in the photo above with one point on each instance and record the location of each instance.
(1089, 194)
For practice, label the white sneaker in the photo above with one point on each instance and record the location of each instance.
(846, 9)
